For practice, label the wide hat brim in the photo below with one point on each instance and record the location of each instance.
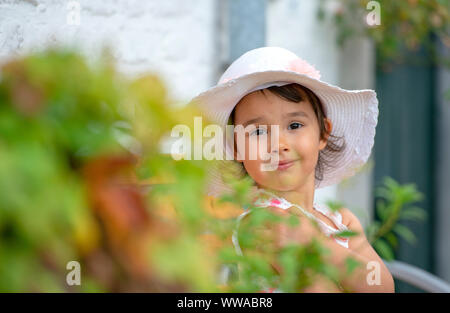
(354, 115)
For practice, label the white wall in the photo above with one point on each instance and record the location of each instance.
(172, 37)
(293, 24)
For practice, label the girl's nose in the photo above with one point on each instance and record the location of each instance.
(283, 145)
(283, 148)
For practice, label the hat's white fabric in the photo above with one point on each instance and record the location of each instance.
(354, 113)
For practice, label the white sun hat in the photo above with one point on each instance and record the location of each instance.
(353, 113)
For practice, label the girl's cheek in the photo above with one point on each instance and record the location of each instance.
(307, 144)
(253, 168)
(257, 148)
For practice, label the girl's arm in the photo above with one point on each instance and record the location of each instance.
(372, 275)
(360, 250)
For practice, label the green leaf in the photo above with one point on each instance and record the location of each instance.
(392, 239)
(334, 205)
(293, 221)
(371, 230)
(331, 272)
(413, 213)
(351, 264)
(382, 210)
(405, 233)
(383, 249)
(346, 233)
(226, 198)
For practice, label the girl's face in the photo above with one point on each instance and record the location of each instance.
(299, 139)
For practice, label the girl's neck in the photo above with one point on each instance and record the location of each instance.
(303, 196)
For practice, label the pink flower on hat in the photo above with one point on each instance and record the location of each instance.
(225, 80)
(302, 67)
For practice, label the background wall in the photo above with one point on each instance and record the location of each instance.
(174, 38)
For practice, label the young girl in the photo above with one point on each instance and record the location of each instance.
(324, 135)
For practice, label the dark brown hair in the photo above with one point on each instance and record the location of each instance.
(296, 93)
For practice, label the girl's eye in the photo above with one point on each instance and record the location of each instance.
(295, 125)
(258, 131)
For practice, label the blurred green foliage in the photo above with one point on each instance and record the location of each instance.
(83, 178)
(404, 26)
(74, 139)
(394, 205)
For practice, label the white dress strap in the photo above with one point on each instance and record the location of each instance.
(336, 217)
(234, 237)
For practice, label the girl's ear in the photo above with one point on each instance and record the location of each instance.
(329, 127)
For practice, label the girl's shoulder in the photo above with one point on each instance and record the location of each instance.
(350, 220)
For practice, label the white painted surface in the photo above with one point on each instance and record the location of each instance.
(173, 38)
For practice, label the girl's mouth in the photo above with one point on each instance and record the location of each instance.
(283, 165)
